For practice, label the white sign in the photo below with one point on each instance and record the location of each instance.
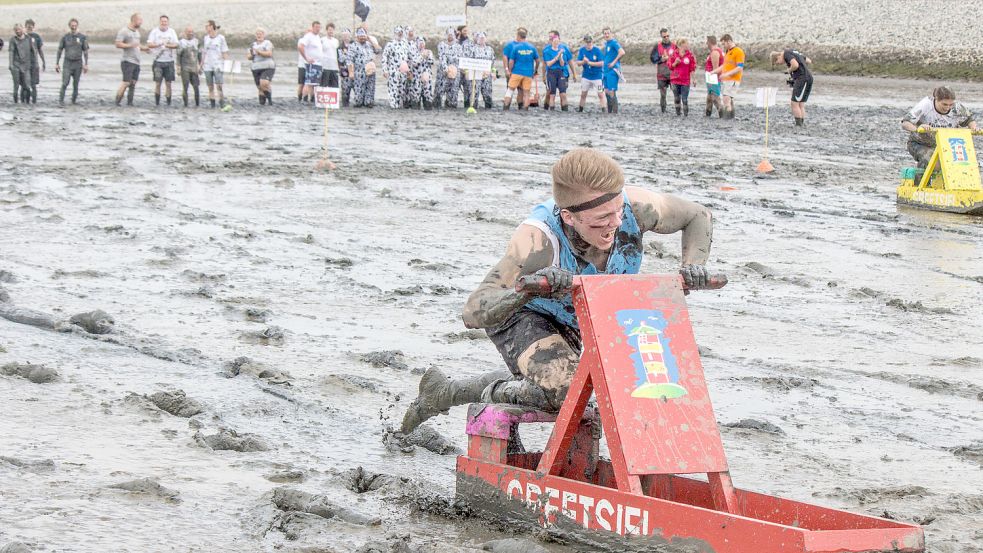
(712, 78)
(229, 66)
(327, 98)
(444, 21)
(475, 64)
(765, 97)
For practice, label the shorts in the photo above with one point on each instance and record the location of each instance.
(520, 81)
(524, 328)
(301, 74)
(263, 74)
(329, 78)
(587, 85)
(163, 71)
(713, 89)
(214, 77)
(730, 88)
(556, 82)
(131, 71)
(663, 80)
(611, 79)
(801, 88)
(312, 75)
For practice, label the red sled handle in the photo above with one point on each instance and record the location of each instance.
(535, 284)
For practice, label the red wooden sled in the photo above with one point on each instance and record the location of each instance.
(641, 362)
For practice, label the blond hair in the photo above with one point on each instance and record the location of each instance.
(582, 174)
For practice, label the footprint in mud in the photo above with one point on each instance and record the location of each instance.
(230, 440)
(269, 336)
(148, 487)
(38, 374)
(352, 383)
(286, 477)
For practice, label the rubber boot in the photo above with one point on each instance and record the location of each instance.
(185, 98)
(262, 99)
(269, 97)
(168, 99)
(800, 121)
(211, 102)
(685, 110)
(519, 392)
(615, 104)
(662, 99)
(157, 99)
(130, 91)
(679, 110)
(34, 94)
(197, 98)
(439, 393)
(709, 110)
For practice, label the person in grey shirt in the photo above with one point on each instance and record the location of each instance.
(260, 53)
(189, 60)
(76, 49)
(23, 59)
(128, 40)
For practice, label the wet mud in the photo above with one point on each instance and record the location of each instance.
(299, 307)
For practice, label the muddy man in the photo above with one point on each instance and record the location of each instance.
(593, 225)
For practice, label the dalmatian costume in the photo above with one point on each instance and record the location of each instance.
(422, 62)
(448, 53)
(347, 80)
(483, 51)
(464, 77)
(395, 63)
(360, 54)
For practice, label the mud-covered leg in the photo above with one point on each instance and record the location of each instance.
(547, 367)
(439, 393)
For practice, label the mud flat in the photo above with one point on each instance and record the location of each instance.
(195, 229)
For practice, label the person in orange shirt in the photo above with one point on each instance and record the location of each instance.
(731, 73)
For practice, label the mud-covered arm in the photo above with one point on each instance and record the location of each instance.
(666, 214)
(495, 299)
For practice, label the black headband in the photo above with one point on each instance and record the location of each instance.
(593, 203)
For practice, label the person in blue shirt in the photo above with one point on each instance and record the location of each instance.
(523, 68)
(506, 55)
(557, 58)
(613, 52)
(591, 59)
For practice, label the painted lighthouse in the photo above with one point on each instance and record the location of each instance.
(655, 365)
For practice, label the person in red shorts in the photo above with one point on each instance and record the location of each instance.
(682, 63)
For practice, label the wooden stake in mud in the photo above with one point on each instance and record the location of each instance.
(326, 98)
(765, 97)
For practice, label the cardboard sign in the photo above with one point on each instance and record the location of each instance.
(444, 21)
(712, 78)
(326, 97)
(229, 66)
(765, 97)
(475, 64)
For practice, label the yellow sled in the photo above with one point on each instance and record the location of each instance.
(951, 182)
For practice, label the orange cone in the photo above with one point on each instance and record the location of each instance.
(765, 166)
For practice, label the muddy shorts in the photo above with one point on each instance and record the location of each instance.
(163, 71)
(131, 71)
(520, 81)
(801, 88)
(611, 79)
(523, 329)
(263, 75)
(214, 77)
(556, 82)
(921, 152)
(329, 78)
(587, 85)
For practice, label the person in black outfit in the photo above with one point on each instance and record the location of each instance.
(38, 68)
(76, 49)
(800, 79)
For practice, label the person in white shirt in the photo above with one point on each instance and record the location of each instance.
(162, 42)
(311, 50)
(301, 69)
(263, 66)
(329, 59)
(215, 50)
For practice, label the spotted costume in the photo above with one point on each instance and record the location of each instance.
(395, 54)
(346, 80)
(464, 77)
(363, 87)
(422, 63)
(448, 54)
(484, 85)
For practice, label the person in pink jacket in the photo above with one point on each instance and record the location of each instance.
(682, 63)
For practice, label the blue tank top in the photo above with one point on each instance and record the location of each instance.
(625, 257)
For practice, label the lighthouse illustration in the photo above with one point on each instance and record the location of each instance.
(958, 147)
(655, 365)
